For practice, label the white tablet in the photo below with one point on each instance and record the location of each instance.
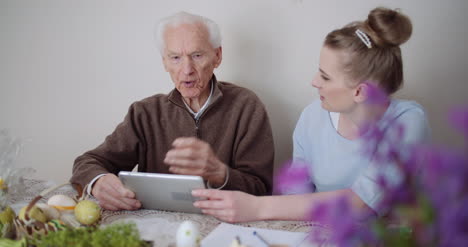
(163, 191)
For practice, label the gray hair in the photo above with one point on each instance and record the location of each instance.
(187, 18)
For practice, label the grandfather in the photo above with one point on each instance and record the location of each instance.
(204, 127)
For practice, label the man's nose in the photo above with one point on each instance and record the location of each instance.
(187, 66)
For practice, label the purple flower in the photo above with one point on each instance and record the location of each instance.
(458, 117)
(346, 227)
(453, 224)
(395, 195)
(293, 177)
(435, 187)
(444, 174)
(382, 140)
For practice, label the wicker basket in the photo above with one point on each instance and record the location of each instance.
(29, 227)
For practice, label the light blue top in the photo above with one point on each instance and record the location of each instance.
(338, 163)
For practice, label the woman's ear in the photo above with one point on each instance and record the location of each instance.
(360, 93)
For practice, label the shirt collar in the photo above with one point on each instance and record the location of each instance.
(176, 98)
(197, 115)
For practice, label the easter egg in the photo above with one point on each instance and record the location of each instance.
(50, 212)
(3, 185)
(188, 235)
(7, 215)
(62, 203)
(34, 213)
(87, 212)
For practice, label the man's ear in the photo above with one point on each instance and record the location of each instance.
(360, 93)
(219, 56)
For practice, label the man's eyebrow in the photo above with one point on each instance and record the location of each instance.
(176, 53)
(172, 53)
(199, 51)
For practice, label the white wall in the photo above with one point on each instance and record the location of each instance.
(70, 69)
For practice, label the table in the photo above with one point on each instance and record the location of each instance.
(158, 226)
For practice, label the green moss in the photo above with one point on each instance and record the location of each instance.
(5, 242)
(117, 235)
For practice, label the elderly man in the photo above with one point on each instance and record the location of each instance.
(204, 127)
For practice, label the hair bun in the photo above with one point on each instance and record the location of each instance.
(388, 27)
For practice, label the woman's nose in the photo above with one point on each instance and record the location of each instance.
(315, 82)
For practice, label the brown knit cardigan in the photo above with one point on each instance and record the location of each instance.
(235, 124)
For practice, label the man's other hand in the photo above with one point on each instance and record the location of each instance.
(192, 156)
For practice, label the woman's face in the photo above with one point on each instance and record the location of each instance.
(334, 87)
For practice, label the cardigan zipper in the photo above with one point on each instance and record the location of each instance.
(197, 129)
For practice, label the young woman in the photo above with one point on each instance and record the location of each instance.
(328, 136)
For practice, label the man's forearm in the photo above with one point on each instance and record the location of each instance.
(85, 170)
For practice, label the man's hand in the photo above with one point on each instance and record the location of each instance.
(191, 156)
(112, 195)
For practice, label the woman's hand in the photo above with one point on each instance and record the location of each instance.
(228, 206)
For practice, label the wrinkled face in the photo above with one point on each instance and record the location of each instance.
(190, 59)
(332, 83)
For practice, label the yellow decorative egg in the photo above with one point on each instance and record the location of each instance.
(7, 215)
(2, 185)
(34, 213)
(87, 212)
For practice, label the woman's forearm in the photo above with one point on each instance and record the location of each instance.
(298, 207)
(285, 207)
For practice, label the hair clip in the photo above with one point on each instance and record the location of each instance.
(364, 38)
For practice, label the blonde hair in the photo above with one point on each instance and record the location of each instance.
(382, 63)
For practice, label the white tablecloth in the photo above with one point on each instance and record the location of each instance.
(155, 225)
